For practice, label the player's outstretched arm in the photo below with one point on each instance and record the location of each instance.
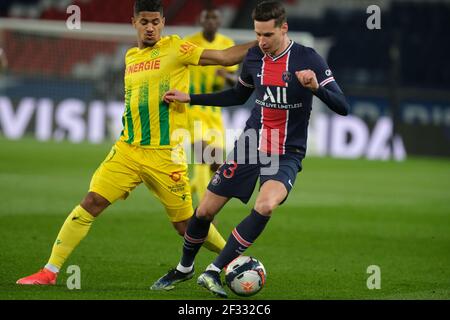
(226, 57)
(332, 95)
(235, 96)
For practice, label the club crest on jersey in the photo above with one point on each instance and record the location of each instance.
(175, 176)
(287, 76)
(216, 180)
(154, 53)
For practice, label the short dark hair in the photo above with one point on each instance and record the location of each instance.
(268, 10)
(148, 5)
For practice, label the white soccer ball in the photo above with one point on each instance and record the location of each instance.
(245, 276)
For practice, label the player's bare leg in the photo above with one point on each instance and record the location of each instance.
(74, 229)
(94, 203)
(210, 205)
(180, 227)
(272, 193)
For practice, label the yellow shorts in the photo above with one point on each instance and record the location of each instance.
(206, 125)
(127, 166)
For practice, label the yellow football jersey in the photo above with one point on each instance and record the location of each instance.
(148, 121)
(204, 79)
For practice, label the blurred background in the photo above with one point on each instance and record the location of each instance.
(62, 84)
(61, 103)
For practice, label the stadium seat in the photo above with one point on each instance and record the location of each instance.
(355, 49)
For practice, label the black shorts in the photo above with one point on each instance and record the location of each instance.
(238, 180)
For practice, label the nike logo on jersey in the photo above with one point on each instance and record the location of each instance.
(290, 183)
(259, 75)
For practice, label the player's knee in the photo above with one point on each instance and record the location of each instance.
(204, 213)
(94, 203)
(265, 207)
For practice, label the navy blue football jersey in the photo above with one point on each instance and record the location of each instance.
(282, 105)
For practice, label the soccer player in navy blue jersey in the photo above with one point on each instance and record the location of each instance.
(285, 76)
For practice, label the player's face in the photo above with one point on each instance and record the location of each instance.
(270, 38)
(149, 26)
(210, 21)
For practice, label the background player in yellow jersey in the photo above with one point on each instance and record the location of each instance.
(207, 80)
(144, 151)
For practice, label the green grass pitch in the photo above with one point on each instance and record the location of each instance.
(341, 217)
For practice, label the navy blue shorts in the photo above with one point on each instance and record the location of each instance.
(238, 180)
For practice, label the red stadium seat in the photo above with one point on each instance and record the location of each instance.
(121, 11)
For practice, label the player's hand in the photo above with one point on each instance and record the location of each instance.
(222, 73)
(308, 79)
(176, 96)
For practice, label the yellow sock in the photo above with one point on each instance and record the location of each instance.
(202, 175)
(214, 242)
(74, 229)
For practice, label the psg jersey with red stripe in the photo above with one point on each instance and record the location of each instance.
(282, 105)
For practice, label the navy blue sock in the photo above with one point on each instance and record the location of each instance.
(196, 233)
(241, 238)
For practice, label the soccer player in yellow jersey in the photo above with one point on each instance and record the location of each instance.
(144, 152)
(206, 121)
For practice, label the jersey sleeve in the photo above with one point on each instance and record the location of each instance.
(187, 52)
(322, 70)
(246, 78)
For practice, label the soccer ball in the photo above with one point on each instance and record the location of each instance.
(245, 276)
